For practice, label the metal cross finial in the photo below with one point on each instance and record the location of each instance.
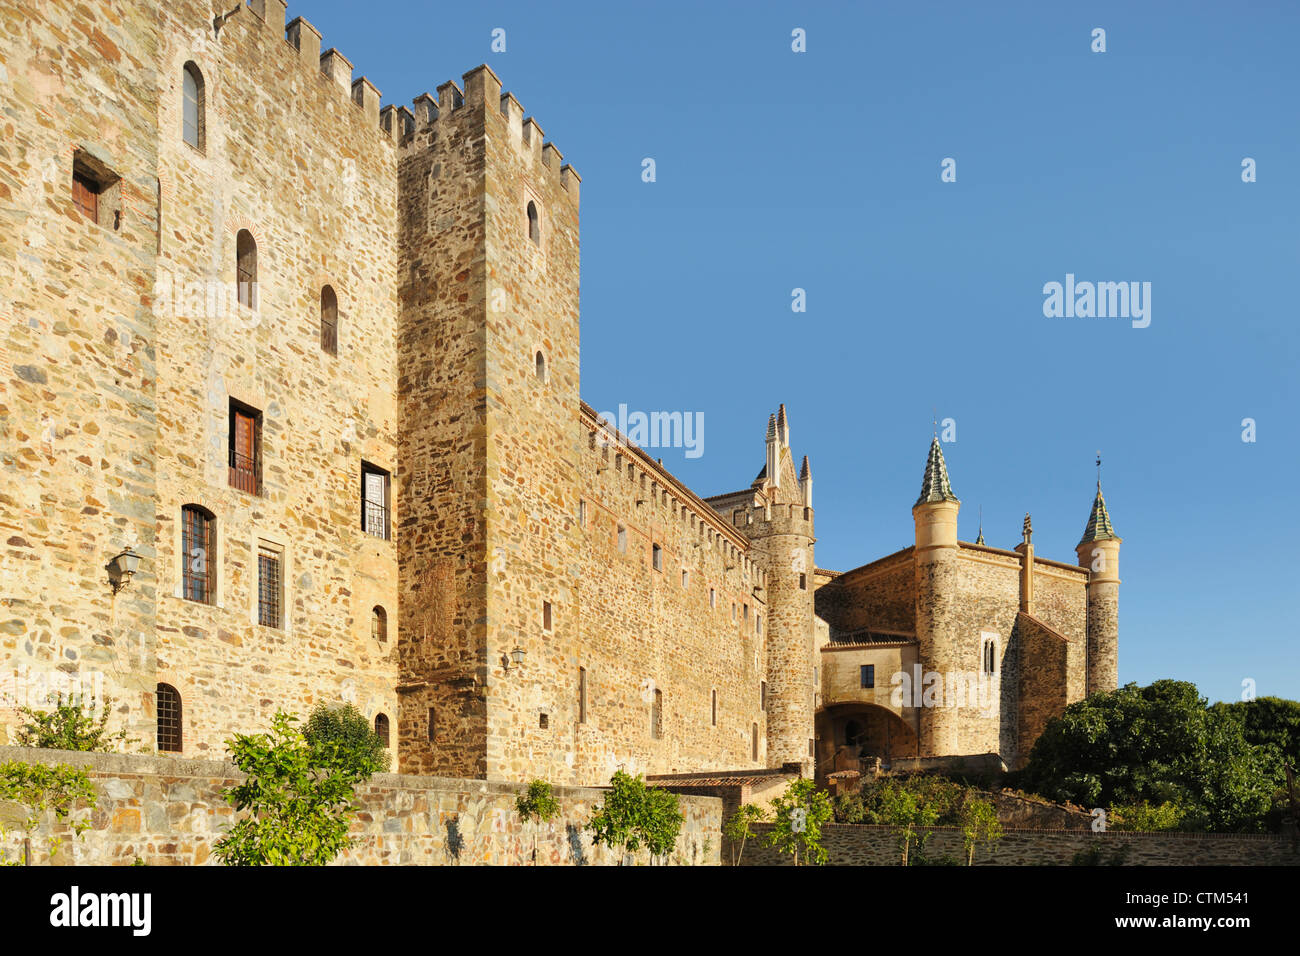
(1099, 469)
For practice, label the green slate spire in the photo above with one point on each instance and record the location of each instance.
(1099, 527)
(935, 486)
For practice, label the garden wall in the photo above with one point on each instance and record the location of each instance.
(170, 811)
(866, 845)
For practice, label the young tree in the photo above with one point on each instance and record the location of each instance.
(537, 803)
(798, 815)
(299, 798)
(900, 807)
(979, 824)
(343, 733)
(33, 789)
(633, 816)
(72, 725)
(739, 828)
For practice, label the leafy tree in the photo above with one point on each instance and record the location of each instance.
(343, 733)
(72, 725)
(299, 798)
(537, 803)
(739, 828)
(979, 824)
(899, 806)
(1157, 744)
(1144, 816)
(633, 816)
(798, 816)
(40, 787)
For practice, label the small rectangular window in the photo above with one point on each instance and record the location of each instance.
(867, 672)
(746, 613)
(657, 557)
(430, 726)
(686, 577)
(544, 721)
(713, 598)
(546, 615)
(758, 624)
(582, 513)
(803, 582)
(762, 695)
(622, 540)
(375, 496)
(96, 190)
(270, 584)
(85, 195)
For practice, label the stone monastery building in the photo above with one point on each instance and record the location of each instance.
(290, 413)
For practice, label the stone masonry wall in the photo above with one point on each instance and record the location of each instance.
(864, 845)
(170, 811)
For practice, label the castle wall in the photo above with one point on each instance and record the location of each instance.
(640, 630)
(880, 596)
(79, 410)
(1045, 680)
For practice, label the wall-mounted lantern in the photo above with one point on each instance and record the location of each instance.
(122, 568)
(516, 657)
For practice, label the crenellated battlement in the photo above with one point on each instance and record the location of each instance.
(773, 519)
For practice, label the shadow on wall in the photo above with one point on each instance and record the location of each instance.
(576, 852)
(455, 842)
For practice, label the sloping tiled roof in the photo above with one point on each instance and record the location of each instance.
(1099, 527)
(935, 486)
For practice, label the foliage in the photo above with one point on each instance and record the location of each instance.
(849, 808)
(299, 798)
(1094, 855)
(40, 787)
(344, 729)
(739, 827)
(1144, 816)
(537, 803)
(633, 816)
(72, 725)
(1157, 744)
(900, 806)
(798, 816)
(979, 825)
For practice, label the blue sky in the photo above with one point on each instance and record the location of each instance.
(821, 171)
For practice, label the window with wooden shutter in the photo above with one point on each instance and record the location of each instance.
(85, 195)
(245, 448)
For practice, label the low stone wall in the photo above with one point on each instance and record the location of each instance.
(865, 845)
(170, 811)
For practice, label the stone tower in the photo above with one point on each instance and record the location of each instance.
(488, 388)
(937, 627)
(781, 533)
(1099, 554)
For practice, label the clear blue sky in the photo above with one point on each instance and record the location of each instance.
(821, 171)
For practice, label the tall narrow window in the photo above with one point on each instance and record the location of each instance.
(582, 513)
(657, 715)
(198, 551)
(270, 585)
(713, 597)
(169, 718)
(754, 739)
(246, 268)
(193, 120)
(379, 624)
(867, 675)
(546, 615)
(582, 695)
(374, 501)
(430, 725)
(622, 540)
(245, 448)
(329, 321)
(657, 557)
(381, 728)
(534, 224)
(539, 366)
(714, 707)
(803, 582)
(762, 695)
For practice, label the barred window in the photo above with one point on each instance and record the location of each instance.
(270, 587)
(193, 94)
(381, 727)
(198, 540)
(169, 718)
(374, 501)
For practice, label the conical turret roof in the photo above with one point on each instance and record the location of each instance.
(1099, 527)
(935, 486)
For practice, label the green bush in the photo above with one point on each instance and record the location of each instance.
(39, 787)
(341, 732)
(633, 816)
(71, 726)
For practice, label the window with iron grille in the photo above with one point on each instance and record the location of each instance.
(169, 718)
(245, 448)
(269, 587)
(198, 551)
(374, 501)
(381, 728)
(329, 321)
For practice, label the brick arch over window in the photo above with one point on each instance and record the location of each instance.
(170, 719)
(193, 106)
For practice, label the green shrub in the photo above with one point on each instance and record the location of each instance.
(341, 732)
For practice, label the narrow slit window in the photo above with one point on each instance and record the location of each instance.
(246, 268)
(193, 106)
(534, 224)
(329, 321)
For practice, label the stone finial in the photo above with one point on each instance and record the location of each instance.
(771, 427)
(1027, 530)
(783, 426)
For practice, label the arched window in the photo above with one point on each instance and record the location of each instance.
(381, 727)
(193, 107)
(169, 718)
(539, 365)
(534, 224)
(379, 624)
(246, 268)
(329, 321)
(198, 554)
